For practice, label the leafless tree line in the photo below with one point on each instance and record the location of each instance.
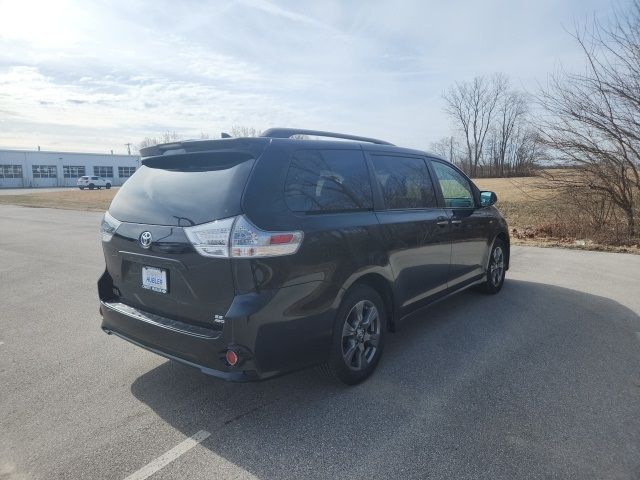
(588, 121)
(166, 137)
(237, 131)
(169, 136)
(494, 132)
(592, 118)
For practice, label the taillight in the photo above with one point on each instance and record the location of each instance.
(238, 237)
(211, 239)
(247, 240)
(108, 227)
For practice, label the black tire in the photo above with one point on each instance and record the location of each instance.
(359, 331)
(81, 188)
(91, 186)
(495, 269)
(108, 186)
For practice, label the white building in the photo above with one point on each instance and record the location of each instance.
(29, 168)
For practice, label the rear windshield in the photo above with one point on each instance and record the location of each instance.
(184, 190)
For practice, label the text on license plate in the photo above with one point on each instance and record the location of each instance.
(154, 279)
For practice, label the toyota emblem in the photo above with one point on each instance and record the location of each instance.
(145, 239)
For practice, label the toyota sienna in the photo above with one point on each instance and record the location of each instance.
(251, 257)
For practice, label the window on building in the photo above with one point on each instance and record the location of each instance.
(10, 171)
(124, 172)
(73, 171)
(44, 171)
(405, 182)
(105, 172)
(328, 181)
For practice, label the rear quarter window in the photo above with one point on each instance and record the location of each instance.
(321, 181)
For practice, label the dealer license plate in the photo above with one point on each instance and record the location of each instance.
(154, 279)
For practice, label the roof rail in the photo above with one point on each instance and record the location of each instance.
(290, 132)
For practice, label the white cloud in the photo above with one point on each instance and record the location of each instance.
(80, 75)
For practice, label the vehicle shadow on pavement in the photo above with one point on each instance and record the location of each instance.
(538, 380)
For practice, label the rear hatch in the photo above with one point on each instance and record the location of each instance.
(152, 262)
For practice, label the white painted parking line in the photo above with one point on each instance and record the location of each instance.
(164, 460)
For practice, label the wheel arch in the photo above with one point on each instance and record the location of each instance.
(504, 236)
(383, 286)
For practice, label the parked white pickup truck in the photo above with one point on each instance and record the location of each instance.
(93, 182)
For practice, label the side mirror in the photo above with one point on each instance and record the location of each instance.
(488, 198)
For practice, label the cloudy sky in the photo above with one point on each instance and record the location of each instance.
(93, 75)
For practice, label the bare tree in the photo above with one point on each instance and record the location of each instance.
(510, 114)
(472, 105)
(525, 153)
(166, 137)
(592, 118)
(449, 148)
(244, 131)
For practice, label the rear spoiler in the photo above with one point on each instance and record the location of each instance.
(254, 146)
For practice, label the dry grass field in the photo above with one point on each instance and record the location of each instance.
(522, 200)
(97, 200)
(540, 215)
(514, 189)
(536, 214)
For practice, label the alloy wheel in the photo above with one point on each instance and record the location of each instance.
(496, 266)
(361, 335)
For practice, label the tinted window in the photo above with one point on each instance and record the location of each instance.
(184, 189)
(405, 182)
(455, 187)
(328, 181)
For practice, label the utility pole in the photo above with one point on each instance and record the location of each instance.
(128, 145)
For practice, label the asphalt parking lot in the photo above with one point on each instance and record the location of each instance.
(540, 381)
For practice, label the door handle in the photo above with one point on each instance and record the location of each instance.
(442, 222)
(456, 222)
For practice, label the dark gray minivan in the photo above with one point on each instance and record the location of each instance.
(251, 257)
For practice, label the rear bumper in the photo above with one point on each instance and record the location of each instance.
(194, 346)
(273, 332)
